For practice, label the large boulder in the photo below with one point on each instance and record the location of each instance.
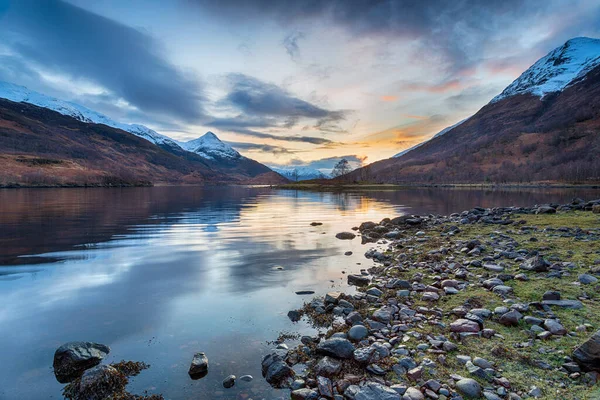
(535, 264)
(587, 355)
(469, 388)
(336, 347)
(73, 358)
(98, 383)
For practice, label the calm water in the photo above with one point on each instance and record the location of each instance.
(161, 273)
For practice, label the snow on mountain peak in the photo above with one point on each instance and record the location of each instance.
(300, 173)
(21, 94)
(210, 146)
(557, 69)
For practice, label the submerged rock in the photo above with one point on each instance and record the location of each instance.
(345, 236)
(229, 382)
(73, 358)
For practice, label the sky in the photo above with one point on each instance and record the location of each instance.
(286, 82)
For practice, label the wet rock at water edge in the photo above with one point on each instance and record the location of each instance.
(304, 394)
(229, 382)
(246, 378)
(316, 223)
(358, 280)
(275, 370)
(345, 235)
(294, 315)
(305, 292)
(199, 367)
(336, 347)
(71, 359)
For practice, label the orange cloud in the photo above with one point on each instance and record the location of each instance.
(454, 84)
(389, 98)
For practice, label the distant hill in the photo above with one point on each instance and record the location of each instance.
(106, 152)
(300, 173)
(544, 127)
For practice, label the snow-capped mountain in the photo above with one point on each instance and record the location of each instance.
(21, 94)
(440, 133)
(300, 173)
(557, 70)
(211, 147)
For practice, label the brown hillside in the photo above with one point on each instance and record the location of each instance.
(516, 140)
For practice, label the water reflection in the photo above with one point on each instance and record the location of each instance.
(161, 273)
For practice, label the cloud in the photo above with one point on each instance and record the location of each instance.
(439, 87)
(290, 42)
(58, 38)
(389, 98)
(265, 148)
(257, 98)
(457, 31)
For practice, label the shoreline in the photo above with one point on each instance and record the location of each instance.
(479, 304)
(356, 187)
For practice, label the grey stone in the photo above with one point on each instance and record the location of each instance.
(345, 236)
(412, 393)
(376, 391)
(304, 394)
(464, 325)
(358, 332)
(328, 366)
(587, 355)
(554, 327)
(469, 388)
(71, 359)
(336, 347)
(573, 304)
(229, 381)
(587, 279)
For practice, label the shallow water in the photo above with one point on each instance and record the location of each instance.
(160, 273)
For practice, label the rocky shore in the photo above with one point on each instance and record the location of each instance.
(489, 304)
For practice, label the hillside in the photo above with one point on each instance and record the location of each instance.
(545, 127)
(41, 147)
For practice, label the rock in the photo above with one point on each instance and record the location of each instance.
(304, 394)
(358, 280)
(305, 292)
(229, 381)
(294, 315)
(587, 279)
(469, 388)
(511, 318)
(71, 359)
(246, 378)
(365, 226)
(100, 382)
(464, 325)
(376, 391)
(587, 355)
(336, 347)
(199, 367)
(551, 295)
(345, 236)
(412, 393)
(275, 369)
(325, 387)
(554, 327)
(316, 223)
(545, 210)
(573, 304)
(328, 366)
(358, 332)
(502, 290)
(535, 264)
(482, 363)
(333, 297)
(384, 314)
(430, 296)
(596, 208)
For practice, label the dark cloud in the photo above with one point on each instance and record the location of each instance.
(290, 42)
(283, 138)
(456, 30)
(265, 148)
(61, 38)
(257, 98)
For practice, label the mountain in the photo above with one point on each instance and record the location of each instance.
(544, 127)
(557, 69)
(440, 133)
(211, 147)
(207, 151)
(21, 94)
(300, 173)
(42, 147)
